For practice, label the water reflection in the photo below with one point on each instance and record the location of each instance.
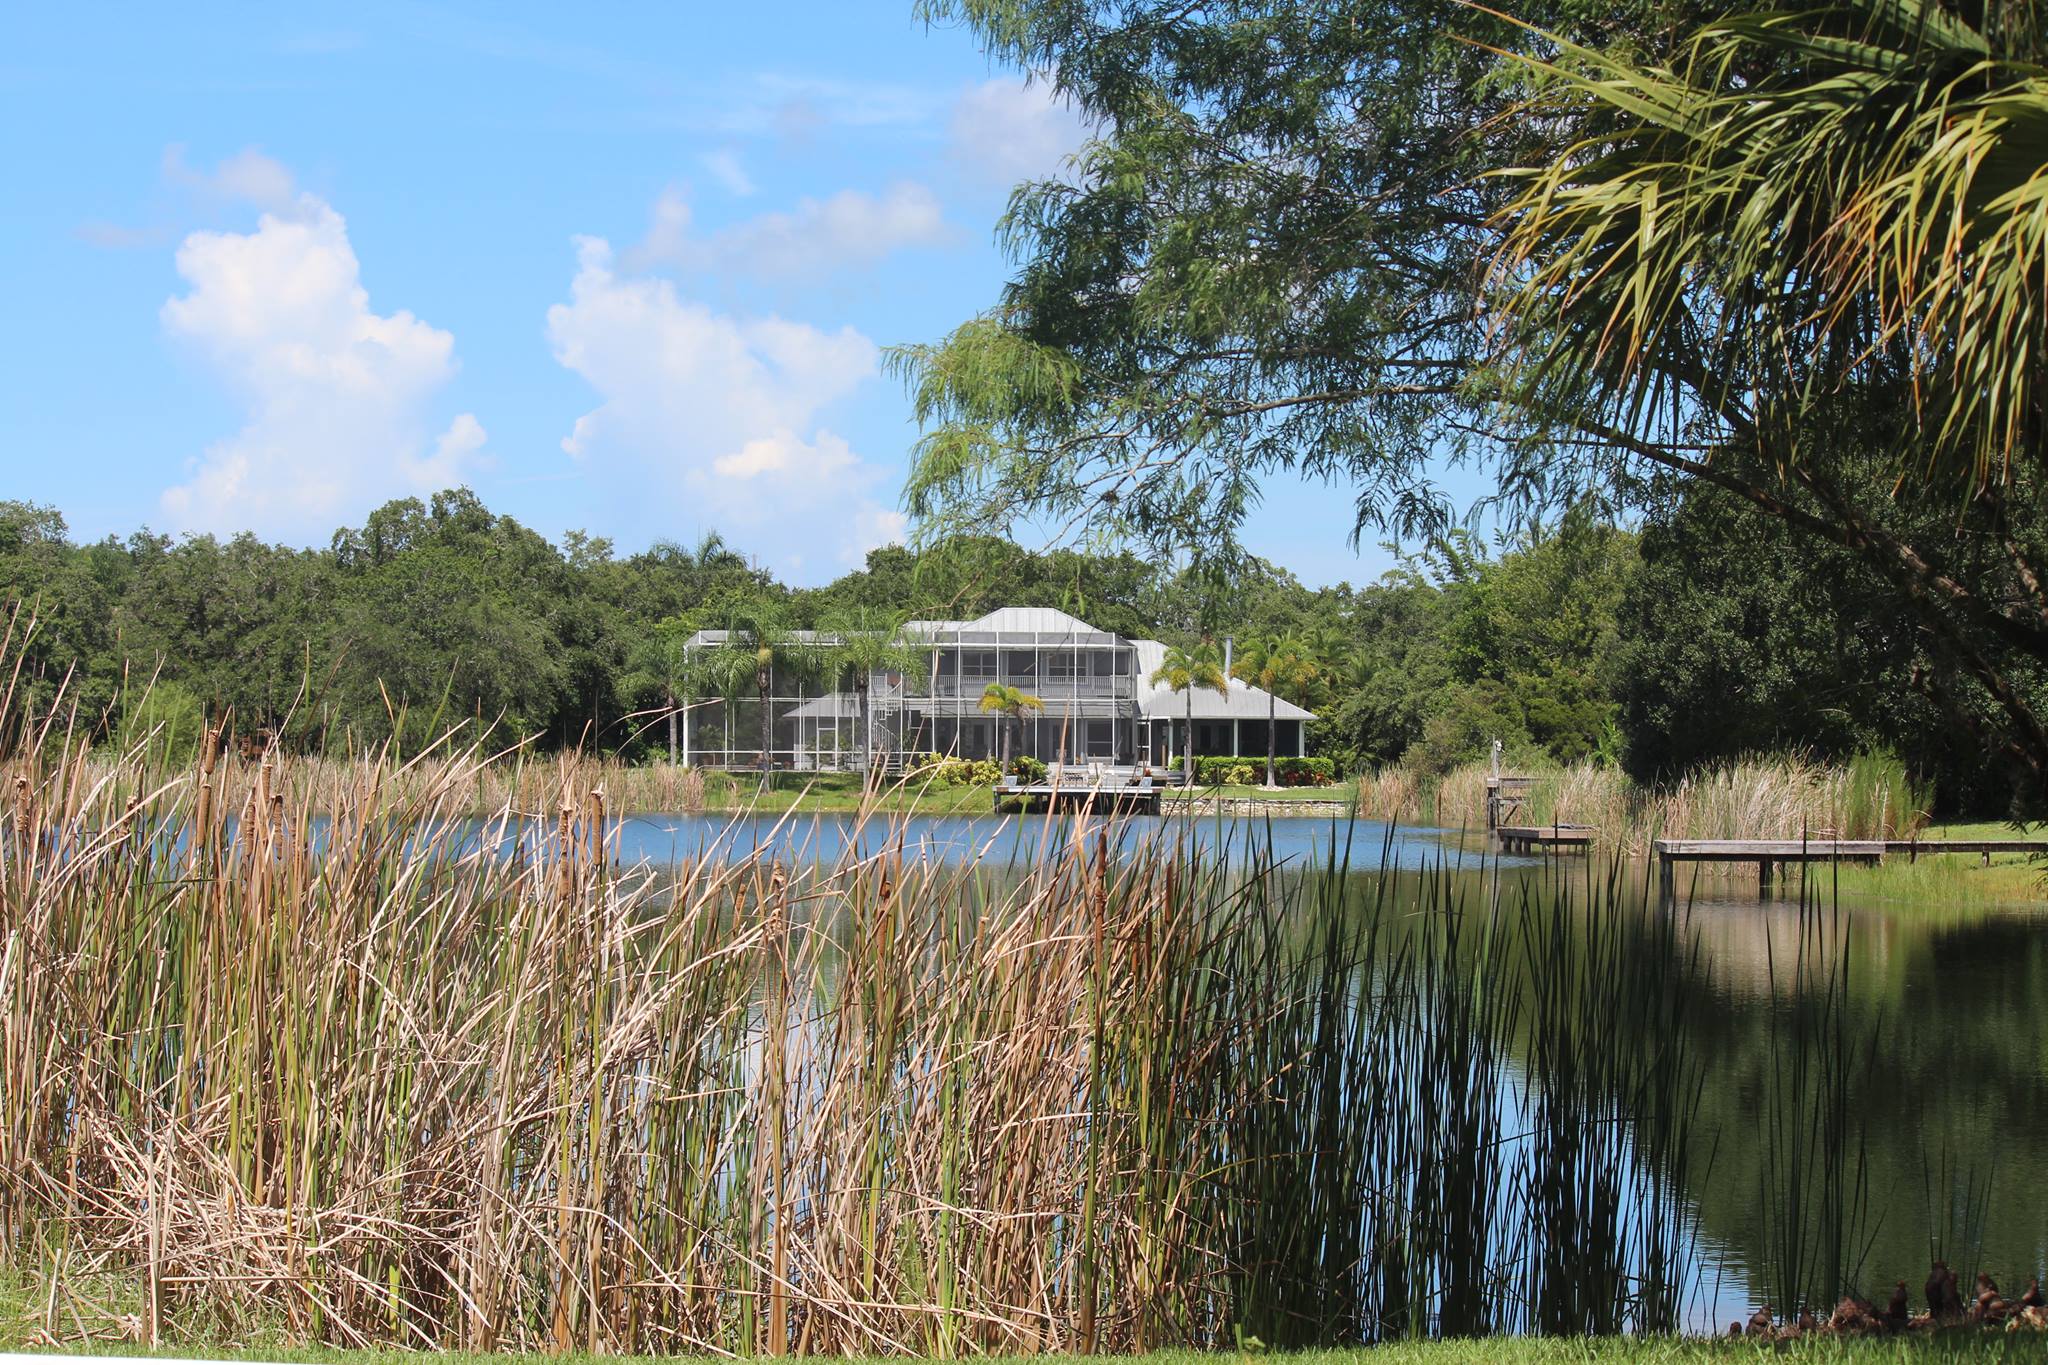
(1943, 1100)
(1876, 1076)
(1935, 1104)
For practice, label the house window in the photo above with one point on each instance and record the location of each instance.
(978, 665)
(1021, 665)
(1065, 666)
(1101, 739)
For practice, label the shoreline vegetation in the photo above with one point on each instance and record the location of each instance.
(383, 1087)
(290, 1051)
(1868, 798)
(1960, 1346)
(1662, 1350)
(375, 1082)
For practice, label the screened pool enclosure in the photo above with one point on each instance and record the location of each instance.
(1095, 704)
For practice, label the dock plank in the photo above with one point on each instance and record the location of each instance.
(1542, 838)
(1771, 854)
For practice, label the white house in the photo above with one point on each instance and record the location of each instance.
(1099, 702)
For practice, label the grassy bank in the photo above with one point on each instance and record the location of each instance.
(1959, 1348)
(1492, 1351)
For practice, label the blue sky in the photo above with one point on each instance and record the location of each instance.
(627, 269)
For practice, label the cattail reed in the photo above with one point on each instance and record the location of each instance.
(365, 1067)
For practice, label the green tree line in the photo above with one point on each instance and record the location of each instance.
(1701, 635)
(1769, 267)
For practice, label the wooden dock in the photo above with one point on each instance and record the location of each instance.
(1075, 789)
(1505, 798)
(1770, 855)
(1544, 838)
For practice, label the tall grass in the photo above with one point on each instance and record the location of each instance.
(307, 1046)
(1870, 797)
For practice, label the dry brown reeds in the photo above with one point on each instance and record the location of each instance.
(319, 1052)
(1782, 797)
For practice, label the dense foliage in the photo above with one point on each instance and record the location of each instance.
(1647, 253)
(1703, 635)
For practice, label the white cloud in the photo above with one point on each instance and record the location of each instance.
(1006, 130)
(668, 240)
(337, 396)
(849, 230)
(726, 169)
(247, 177)
(716, 417)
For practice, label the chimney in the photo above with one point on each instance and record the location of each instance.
(1229, 653)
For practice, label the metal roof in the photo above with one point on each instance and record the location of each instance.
(1241, 702)
(1003, 626)
(1049, 625)
(1032, 621)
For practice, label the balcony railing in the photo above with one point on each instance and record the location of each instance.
(1045, 692)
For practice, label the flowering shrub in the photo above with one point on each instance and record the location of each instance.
(1290, 771)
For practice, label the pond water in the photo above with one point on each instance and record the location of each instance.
(1911, 1042)
(1937, 1097)
(1292, 841)
(1873, 1072)
(1945, 1101)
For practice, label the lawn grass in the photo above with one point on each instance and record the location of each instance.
(730, 792)
(1959, 1347)
(20, 1315)
(807, 792)
(1948, 880)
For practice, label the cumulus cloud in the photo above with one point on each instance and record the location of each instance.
(247, 177)
(720, 412)
(849, 230)
(726, 169)
(337, 396)
(1006, 130)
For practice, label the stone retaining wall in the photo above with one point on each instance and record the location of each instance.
(1253, 805)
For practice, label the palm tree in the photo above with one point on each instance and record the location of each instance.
(724, 673)
(1324, 648)
(1804, 204)
(867, 641)
(1810, 248)
(762, 638)
(1271, 664)
(1012, 702)
(1184, 670)
(660, 660)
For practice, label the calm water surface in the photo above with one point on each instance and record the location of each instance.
(956, 838)
(1946, 1014)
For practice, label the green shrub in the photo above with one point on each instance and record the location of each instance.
(945, 771)
(1220, 770)
(1029, 768)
